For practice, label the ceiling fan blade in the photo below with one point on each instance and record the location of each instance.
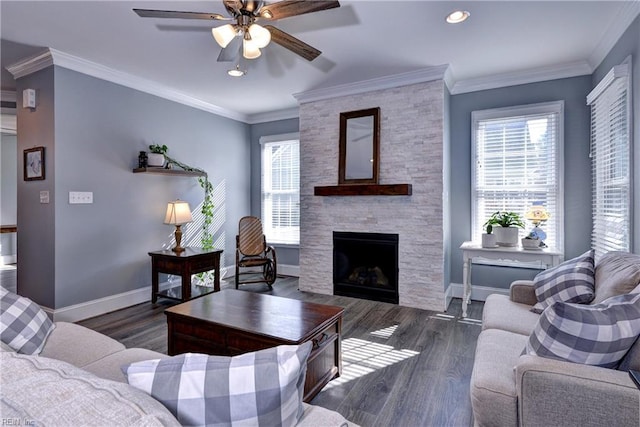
(233, 6)
(287, 8)
(232, 51)
(150, 13)
(295, 45)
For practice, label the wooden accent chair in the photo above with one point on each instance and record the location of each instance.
(252, 251)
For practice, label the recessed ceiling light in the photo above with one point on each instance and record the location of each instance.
(457, 16)
(236, 72)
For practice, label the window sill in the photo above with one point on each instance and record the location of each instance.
(284, 245)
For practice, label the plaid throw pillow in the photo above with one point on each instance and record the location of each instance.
(597, 335)
(24, 326)
(572, 281)
(263, 388)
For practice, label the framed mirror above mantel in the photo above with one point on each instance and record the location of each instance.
(359, 158)
(359, 147)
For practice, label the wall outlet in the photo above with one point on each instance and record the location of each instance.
(80, 197)
(44, 197)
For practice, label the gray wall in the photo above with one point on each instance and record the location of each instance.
(8, 191)
(629, 44)
(577, 168)
(101, 249)
(286, 254)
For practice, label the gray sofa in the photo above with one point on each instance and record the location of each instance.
(511, 389)
(77, 380)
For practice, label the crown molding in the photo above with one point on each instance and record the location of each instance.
(397, 80)
(55, 57)
(272, 116)
(629, 12)
(515, 78)
(8, 95)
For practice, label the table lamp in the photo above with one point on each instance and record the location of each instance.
(537, 214)
(178, 213)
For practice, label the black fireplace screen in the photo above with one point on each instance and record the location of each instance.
(365, 265)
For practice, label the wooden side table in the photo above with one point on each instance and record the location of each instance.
(184, 264)
(548, 257)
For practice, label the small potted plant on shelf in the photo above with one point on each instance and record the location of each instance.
(488, 238)
(507, 232)
(156, 156)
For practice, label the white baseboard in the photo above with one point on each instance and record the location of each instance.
(8, 259)
(97, 307)
(478, 293)
(289, 270)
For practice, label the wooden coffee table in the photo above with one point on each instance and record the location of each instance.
(233, 322)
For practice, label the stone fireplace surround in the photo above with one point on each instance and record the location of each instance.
(411, 151)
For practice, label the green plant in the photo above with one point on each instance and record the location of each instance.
(158, 149)
(503, 219)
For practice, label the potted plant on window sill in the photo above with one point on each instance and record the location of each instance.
(507, 232)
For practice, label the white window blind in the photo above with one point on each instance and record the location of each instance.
(281, 190)
(517, 158)
(611, 162)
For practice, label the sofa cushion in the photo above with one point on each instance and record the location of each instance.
(493, 382)
(572, 281)
(500, 312)
(258, 388)
(50, 392)
(24, 326)
(78, 345)
(110, 367)
(598, 335)
(617, 273)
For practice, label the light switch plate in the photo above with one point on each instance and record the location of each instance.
(80, 197)
(44, 197)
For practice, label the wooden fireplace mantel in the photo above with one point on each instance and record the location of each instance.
(363, 190)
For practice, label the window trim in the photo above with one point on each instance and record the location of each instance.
(521, 110)
(266, 139)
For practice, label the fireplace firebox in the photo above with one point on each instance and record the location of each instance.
(365, 265)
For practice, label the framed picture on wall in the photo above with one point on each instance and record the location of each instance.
(34, 164)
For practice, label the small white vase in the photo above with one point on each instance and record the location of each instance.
(155, 160)
(489, 241)
(506, 236)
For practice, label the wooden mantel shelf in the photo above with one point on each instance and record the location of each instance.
(364, 190)
(165, 171)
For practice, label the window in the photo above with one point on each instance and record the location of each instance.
(611, 162)
(517, 155)
(281, 188)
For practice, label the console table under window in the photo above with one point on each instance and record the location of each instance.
(547, 257)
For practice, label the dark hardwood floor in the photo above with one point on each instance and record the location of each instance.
(401, 366)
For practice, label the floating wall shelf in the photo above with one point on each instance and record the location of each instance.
(364, 190)
(164, 171)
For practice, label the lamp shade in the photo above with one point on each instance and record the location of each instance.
(537, 213)
(178, 213)
(260, 35)
(250, 50)
(224, 34)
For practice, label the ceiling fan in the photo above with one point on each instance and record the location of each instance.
(245, 13)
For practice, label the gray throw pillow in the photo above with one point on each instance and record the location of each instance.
(24, 326)
(262, 388)
(572, 281)
(599, 335)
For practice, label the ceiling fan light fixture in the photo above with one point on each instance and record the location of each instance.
(224, 34)
(236, 72)
(266, 13)
(457, 16)
(259, 35)
(250, 50)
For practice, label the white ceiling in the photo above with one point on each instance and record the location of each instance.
(361, 40)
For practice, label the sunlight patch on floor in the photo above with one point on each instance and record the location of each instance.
(385, 332)
(361, 357)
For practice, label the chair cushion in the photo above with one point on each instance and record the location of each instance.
(572, 281)
(599, 335)
(110, 367)
(24, 326)
(262, 388)
(617, 273)
(500, 312)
